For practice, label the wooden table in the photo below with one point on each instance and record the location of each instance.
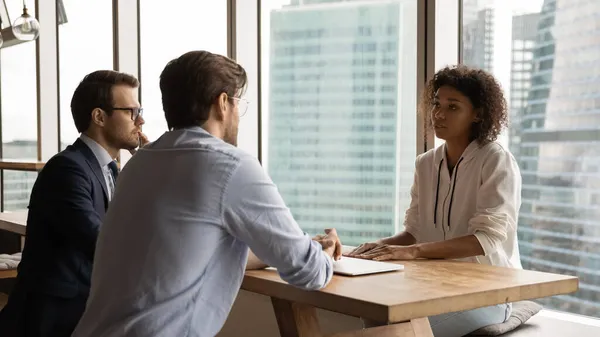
(14, 222)
(403, 299)
(12, 273)
(12, 231)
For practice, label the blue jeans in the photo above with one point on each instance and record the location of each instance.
(458, 324)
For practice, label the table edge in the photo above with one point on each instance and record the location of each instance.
(398, 313)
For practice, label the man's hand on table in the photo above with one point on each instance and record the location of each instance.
(331, 243)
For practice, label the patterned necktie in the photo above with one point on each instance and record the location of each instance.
(114, 173)
(113, 169)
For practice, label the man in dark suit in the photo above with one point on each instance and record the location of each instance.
(67, 205)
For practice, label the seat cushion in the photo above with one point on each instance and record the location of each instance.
(521, 312)
(8, 262)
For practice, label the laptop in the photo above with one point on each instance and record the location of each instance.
(350, 266)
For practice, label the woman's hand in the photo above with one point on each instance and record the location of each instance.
(383, 252)
(365, 247)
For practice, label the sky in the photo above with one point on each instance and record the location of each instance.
(86, 45)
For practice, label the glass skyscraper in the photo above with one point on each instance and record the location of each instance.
(559, 152)
(555, 113)
(342, 119)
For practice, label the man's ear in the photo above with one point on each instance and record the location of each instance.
(222, 106)
(99, 117)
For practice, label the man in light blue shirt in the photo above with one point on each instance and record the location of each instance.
(172, 250)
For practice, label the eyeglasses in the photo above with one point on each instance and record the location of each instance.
(242, 105)
(135, 112)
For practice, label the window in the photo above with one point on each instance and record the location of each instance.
(19, 102)
(518, 44)
(18, 98)
(517, 86)
(359, 106)
(85, 45)
(518, 56)
(160, 26)
(558, 156)
(17, 187)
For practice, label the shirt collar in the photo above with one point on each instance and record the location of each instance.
(468, 153)
(100, 153)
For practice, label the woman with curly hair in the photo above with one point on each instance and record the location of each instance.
(466, 193)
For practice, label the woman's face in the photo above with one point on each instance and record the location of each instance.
(452, 115)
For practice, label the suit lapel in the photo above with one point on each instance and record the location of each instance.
(91, 160)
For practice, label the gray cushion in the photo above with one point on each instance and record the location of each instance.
(8, 262)
(521, 312)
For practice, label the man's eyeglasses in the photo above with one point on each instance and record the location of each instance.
(135, 112)
(242, 105)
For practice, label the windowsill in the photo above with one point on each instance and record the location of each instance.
(568, 317)
(21, 164)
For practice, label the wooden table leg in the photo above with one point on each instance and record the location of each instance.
(421, 327)
(296, 320)
(300, 320)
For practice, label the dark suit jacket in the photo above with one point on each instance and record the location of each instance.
(68, 202)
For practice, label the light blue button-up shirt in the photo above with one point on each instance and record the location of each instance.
(172, 250)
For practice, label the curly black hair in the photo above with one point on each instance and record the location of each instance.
(485, 94)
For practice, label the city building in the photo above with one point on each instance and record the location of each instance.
(342, 136)
(558, 142)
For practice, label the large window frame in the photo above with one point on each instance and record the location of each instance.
(244, 45)
(243, 26)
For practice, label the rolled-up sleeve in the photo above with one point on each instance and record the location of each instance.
(498, 201)
(411, 217)
(255, 213)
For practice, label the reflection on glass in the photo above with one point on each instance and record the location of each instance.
(208, 31)
(339, 112)
(555, 117)
(85, 45)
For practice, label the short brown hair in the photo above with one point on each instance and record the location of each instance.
(484, 92)
(191, 83)
(95, 91)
